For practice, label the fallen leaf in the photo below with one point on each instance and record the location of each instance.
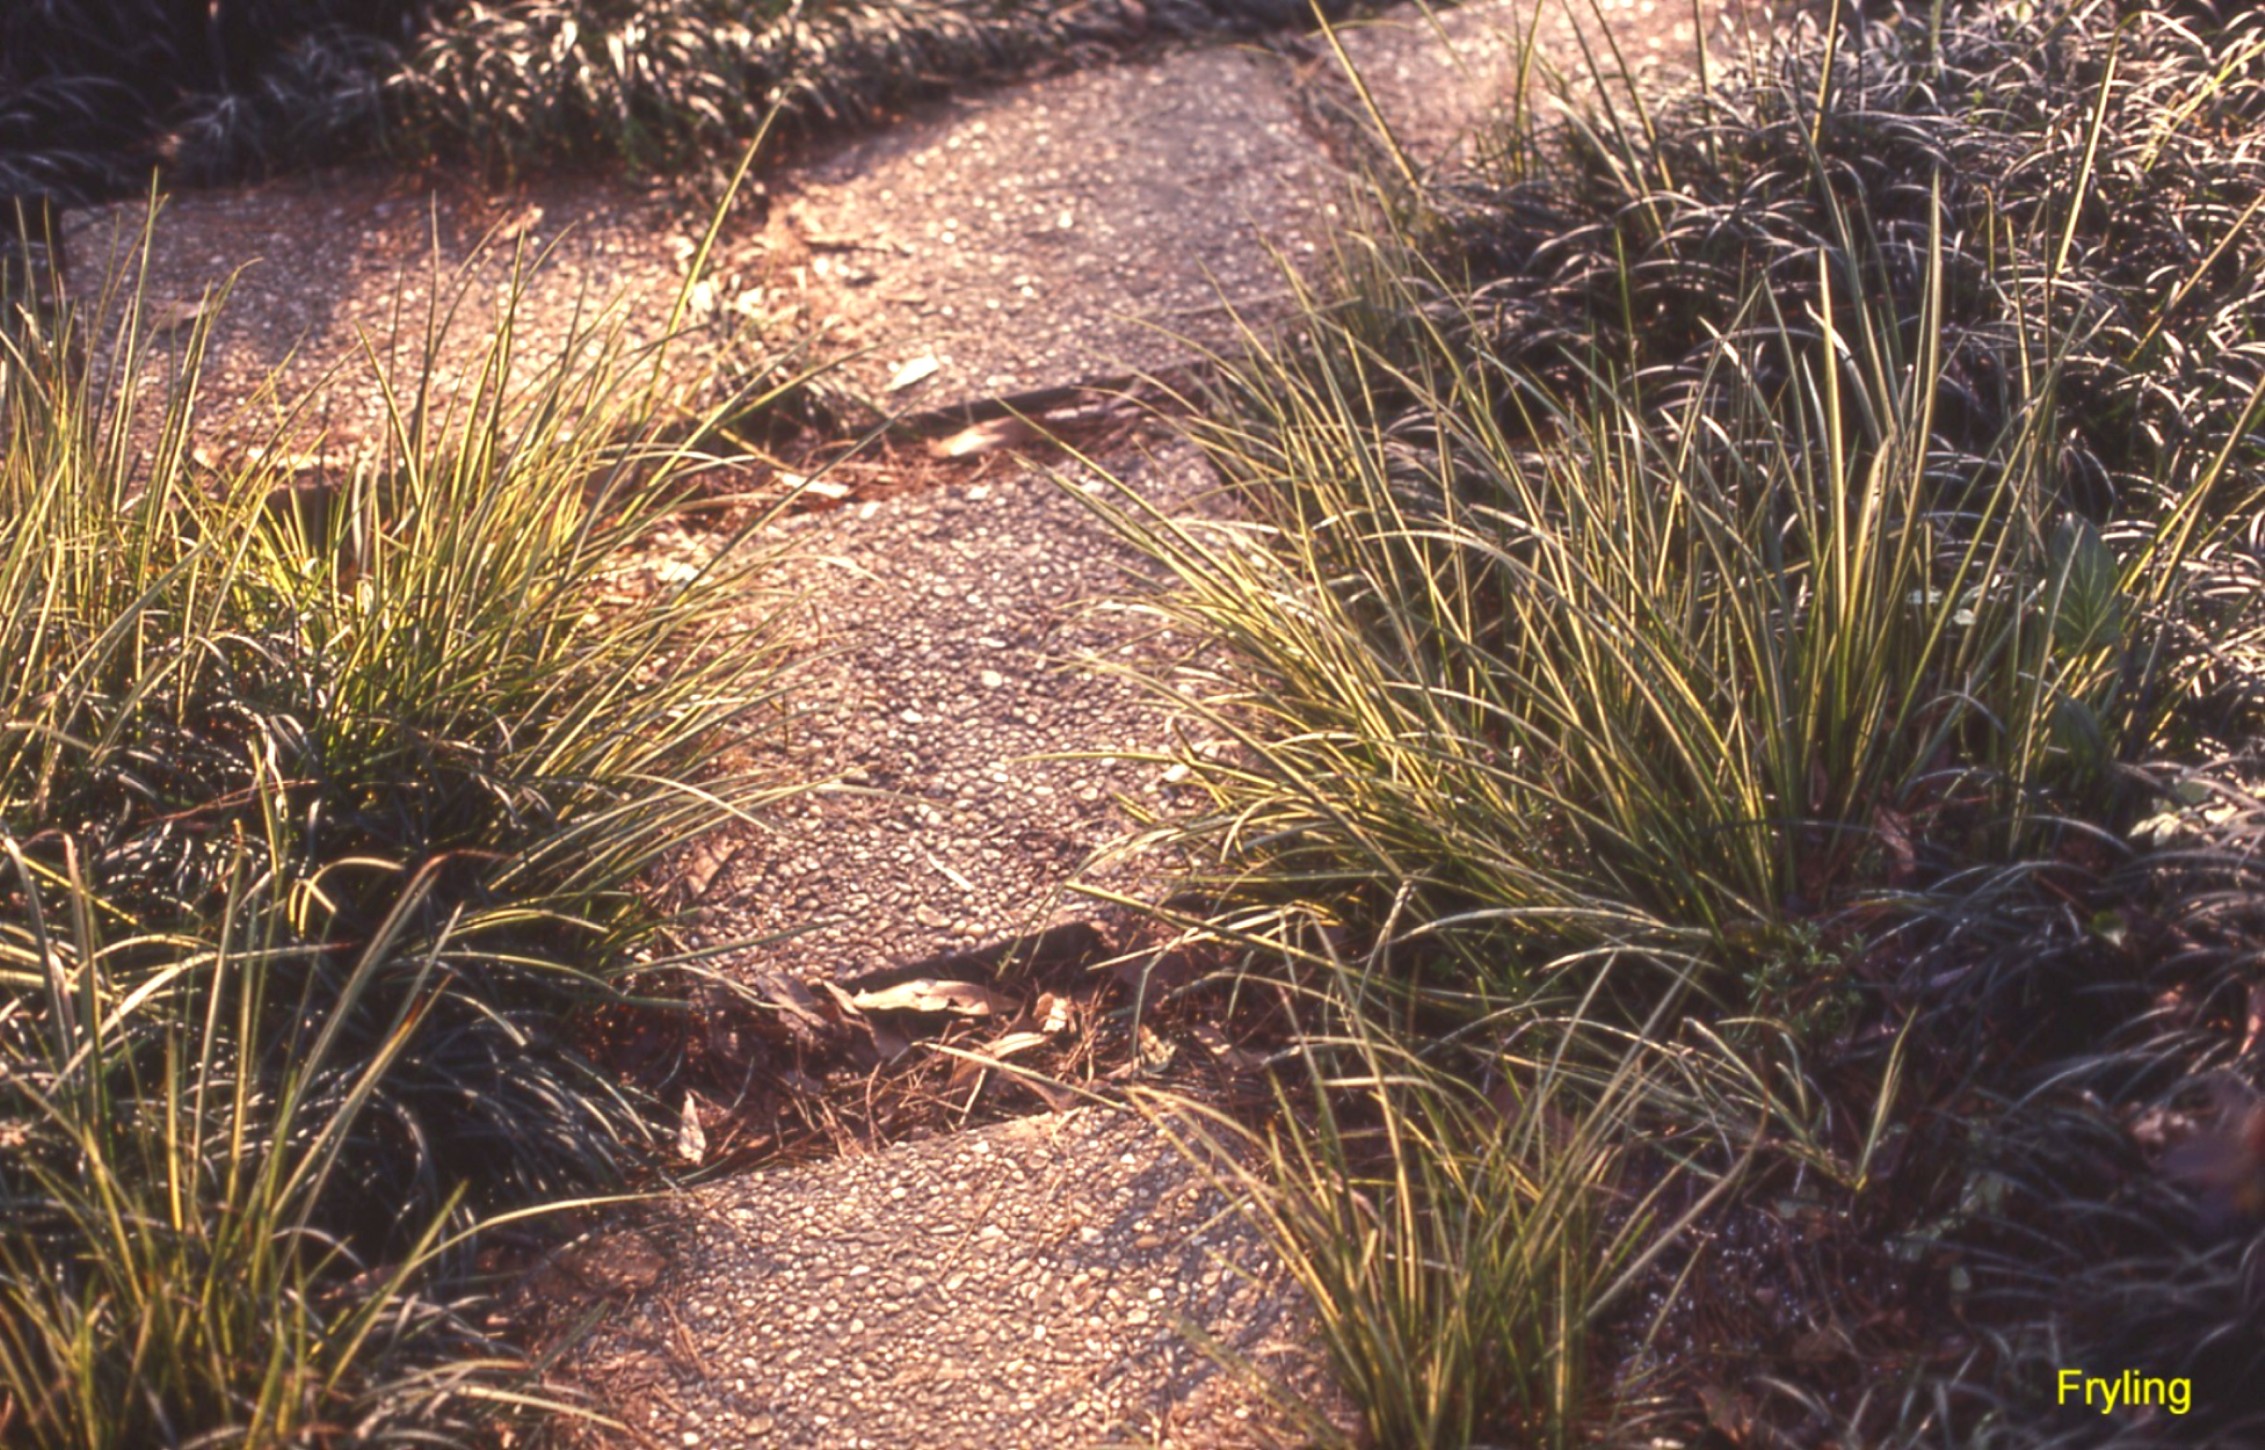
(2223, 1164)
(518, 224)
(1015, 1042)
(886, 1040)
(625, 1262)
(707, 861)
(933, 995)
(1224, 1051)
(794, 999)
(920, 369)
(971, 1068)
(823, 487)
(889, 1042)
(807, 1021)
(1727, 1413)
(987, 437)
(2158, 1127)
(691, 1139)
(1895, 835)
(171, 316)
(841, 999)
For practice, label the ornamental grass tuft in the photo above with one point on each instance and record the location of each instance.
(323, 829)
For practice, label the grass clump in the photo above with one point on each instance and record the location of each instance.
(1588, 671)
(1751, 564)
(1467, 1218)
(323, 828)
(95, 92)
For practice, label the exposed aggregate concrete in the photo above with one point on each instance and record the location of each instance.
(965, 694)
(1020, 1285)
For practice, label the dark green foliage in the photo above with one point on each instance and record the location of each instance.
(2097, 195)
(93, 93)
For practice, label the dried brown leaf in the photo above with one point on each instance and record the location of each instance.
(1013, 1043)
(986, 437)
(691, 1138)
(918, 370)
(966, 999)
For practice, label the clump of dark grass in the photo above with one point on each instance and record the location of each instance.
(99, 91)
(667, 86)
(93, 93)
(324, 828)
(2095, 197)
(2102, 1207)
(172, 1259)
